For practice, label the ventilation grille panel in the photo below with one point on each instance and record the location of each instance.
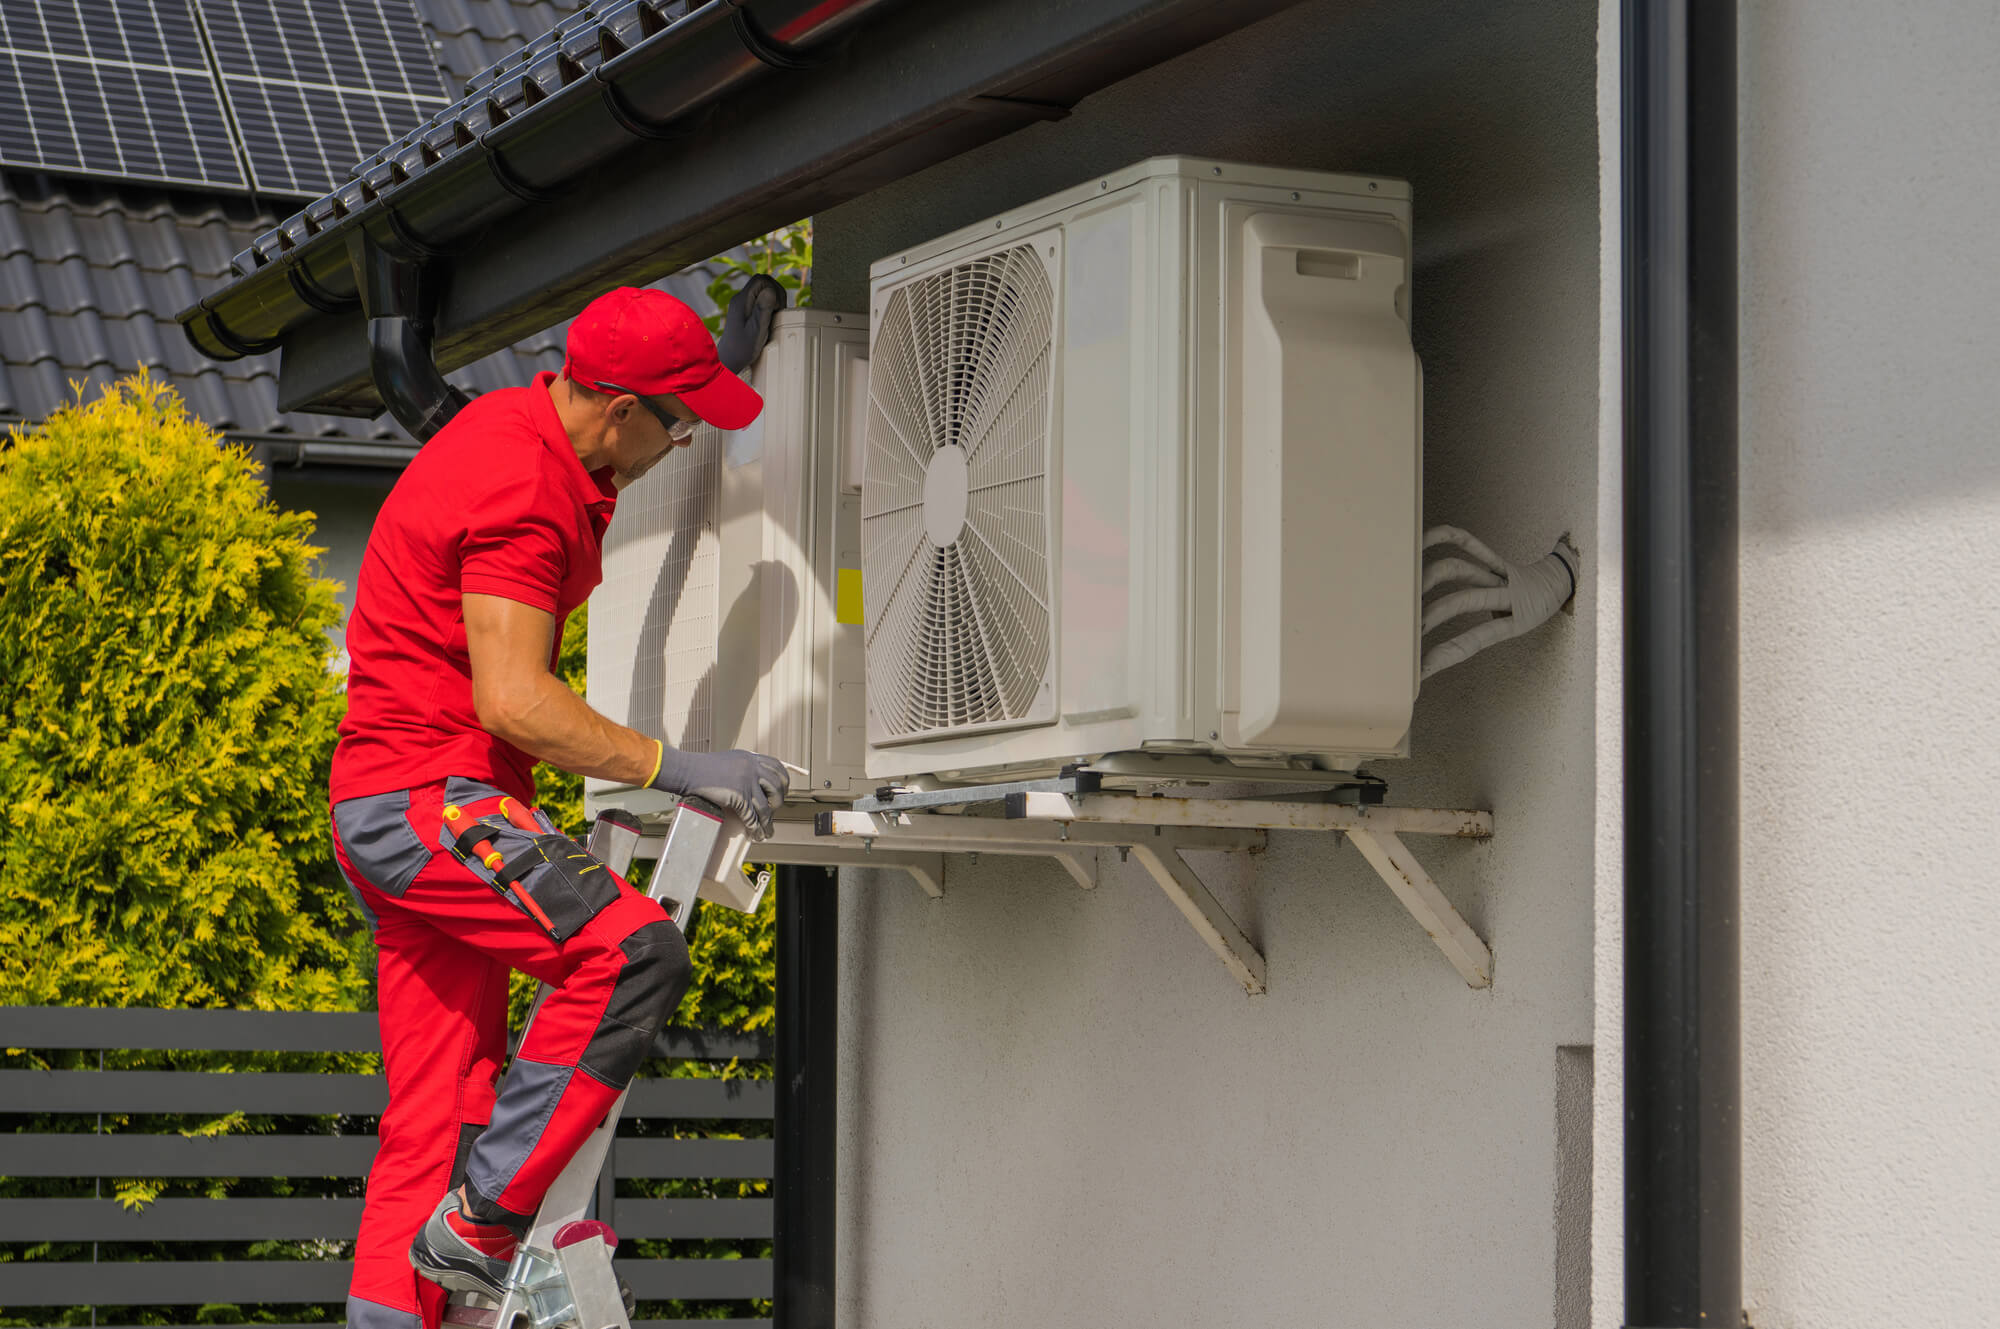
(655, 617)
(955, 532)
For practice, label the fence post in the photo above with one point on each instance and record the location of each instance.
(803, 1171)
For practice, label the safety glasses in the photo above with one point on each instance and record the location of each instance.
(677, 429)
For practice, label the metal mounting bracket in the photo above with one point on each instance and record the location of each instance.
(1073, 822)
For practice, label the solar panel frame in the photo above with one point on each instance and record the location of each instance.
(317, 88)
(112, 88)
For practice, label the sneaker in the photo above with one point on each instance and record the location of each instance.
(463, 1256)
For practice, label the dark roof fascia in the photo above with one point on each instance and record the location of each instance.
(923, 83)
(569, 101)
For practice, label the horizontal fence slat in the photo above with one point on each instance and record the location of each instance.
(308, 1093)
(183, 1220)
(689, 1158)
(713, 1045)
(741, 1099)
(328, 1220)
(677, 1219)
(132, 1029)
(291, 1282)
(324, 1156)
(172, 1283)
(177, 1156)
(696, 1280)
(108, 1029)
(336, 1324)
(267, 1092)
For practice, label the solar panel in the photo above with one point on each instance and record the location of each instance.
(317, 85)
(111, 87)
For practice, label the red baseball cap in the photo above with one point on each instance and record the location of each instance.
(647, 341)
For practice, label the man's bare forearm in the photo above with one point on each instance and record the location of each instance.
(553, 724)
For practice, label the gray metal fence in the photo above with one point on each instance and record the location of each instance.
(95, 1158)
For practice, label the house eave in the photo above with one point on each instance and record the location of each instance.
(916, 85)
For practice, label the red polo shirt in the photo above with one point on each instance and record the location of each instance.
(495, 504)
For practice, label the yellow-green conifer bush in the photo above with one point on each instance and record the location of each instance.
(166, 719)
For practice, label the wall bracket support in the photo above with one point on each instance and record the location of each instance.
(1075, 828)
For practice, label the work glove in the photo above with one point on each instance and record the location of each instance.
(746, 784)
(746, 322)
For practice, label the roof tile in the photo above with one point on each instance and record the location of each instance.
(91, 275)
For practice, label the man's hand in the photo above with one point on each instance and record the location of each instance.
(747, 784)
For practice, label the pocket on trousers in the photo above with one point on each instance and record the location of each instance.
(568, 886)
(566, 883)
(375, 831)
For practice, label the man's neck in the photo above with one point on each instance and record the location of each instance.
(583, 423)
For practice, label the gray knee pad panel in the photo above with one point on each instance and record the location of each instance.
(649, 989)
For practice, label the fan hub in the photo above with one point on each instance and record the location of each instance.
(947, 489)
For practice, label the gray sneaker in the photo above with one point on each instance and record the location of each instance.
(460, 1255)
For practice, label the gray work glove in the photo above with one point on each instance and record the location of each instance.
(747, 784)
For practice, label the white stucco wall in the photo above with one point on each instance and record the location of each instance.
(1871, 627)
(1056, 1107)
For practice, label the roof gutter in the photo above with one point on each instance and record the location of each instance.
(1683, 1078)
(567, 103)
(723, 159)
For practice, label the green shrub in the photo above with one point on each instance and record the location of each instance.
(168, 717)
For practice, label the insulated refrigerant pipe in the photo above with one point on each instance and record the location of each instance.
(1683, 1146)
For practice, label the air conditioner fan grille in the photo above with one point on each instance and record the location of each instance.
(955, 548)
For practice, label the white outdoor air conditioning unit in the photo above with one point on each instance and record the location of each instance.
(730, 611)
(1143, 476)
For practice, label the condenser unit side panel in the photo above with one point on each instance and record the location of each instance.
(782, 557)
(1225, 208)
(653, 618)
(840, 715)
(740, 661)
(1106, 425)
(1329, 391)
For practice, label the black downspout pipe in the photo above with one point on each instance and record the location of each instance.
(1683, 1140)
(399, 297)
(806, 1127)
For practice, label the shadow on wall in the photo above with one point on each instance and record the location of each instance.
(741, 630)
(1868, 331)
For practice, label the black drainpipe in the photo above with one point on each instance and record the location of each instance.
(399, 298)
(1683, 1137)
(806, 1129)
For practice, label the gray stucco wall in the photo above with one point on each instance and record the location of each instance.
(1871, 627)
(1056, 1106)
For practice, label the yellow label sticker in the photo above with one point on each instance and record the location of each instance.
(847, 596)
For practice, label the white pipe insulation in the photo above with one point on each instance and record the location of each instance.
(1476, 580)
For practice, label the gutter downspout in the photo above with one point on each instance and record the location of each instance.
(399, 298)
(1683, 1138)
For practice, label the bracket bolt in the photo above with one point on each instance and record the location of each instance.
(973, 858)
(1124, 853)
(868, 846)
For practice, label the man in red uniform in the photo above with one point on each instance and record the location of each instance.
(488, 541)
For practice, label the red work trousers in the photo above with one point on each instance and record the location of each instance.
(447, 940)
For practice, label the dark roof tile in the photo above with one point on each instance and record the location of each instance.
(91, 274)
